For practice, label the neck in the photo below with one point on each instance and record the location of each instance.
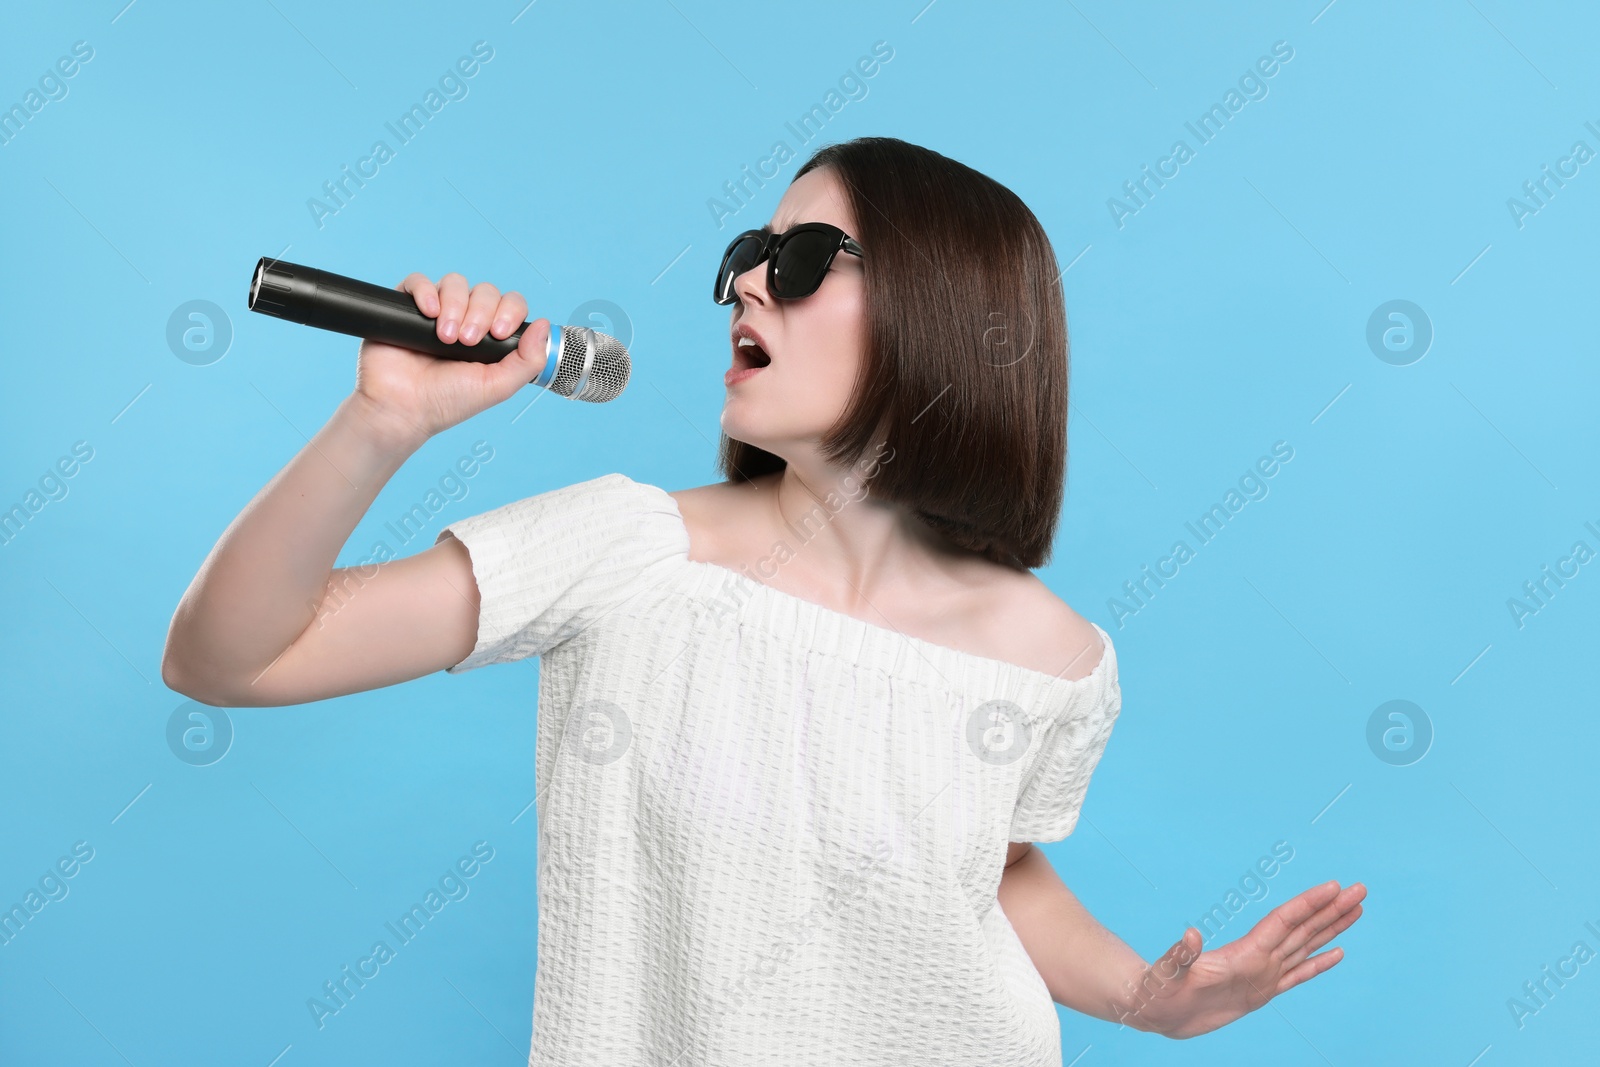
(842, 539)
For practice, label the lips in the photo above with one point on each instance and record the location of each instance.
(748, 356)
(748, 359)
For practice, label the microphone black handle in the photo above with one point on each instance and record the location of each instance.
(329, 301)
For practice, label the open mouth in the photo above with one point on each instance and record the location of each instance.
(747, 355)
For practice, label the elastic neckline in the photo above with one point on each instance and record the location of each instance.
(852, 634)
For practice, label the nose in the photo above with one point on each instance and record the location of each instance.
(751, 286)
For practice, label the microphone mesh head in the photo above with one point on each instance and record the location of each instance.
(591, 366)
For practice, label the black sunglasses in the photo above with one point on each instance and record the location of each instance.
(797, 259)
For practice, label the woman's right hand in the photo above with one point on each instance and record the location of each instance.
(416, 395)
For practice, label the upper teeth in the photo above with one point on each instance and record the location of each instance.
(746, 342)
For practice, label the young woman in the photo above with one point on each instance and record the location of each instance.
(799, 729)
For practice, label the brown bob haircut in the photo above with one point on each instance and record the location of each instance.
(965, 368)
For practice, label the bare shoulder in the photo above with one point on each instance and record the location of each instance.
(706, 511)
(702, 498)
(982, 607)
(1043, 631)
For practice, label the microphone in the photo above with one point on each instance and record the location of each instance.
(580, 363)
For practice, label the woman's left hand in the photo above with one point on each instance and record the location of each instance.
(1193, 992)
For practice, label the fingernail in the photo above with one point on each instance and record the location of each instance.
(448, 330)
(469, 332)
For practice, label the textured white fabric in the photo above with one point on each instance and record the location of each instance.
(769, 832)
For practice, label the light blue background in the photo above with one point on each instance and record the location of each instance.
(1229, 313)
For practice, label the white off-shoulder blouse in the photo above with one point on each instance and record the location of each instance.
(769, 832)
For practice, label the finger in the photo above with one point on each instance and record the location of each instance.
(1271, 932)
(527, 362)
(512, 312)
(1326, 934)
(1330, 913)
(480, 309)
(1347, 920)
(452, 305)
(1310, 969)
(1174, 963)
(423, 291)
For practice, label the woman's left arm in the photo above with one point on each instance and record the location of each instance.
(1186, 992)
(1085, 966)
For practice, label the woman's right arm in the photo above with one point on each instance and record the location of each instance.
(268, 620)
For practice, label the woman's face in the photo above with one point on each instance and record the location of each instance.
(815, 343)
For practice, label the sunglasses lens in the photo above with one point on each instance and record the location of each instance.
(740, 258)
(802, 261)
(803, 258)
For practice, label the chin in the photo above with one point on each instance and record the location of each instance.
(738, 429)
(745, 419)
(737, 425)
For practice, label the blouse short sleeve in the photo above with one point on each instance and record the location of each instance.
(550, 566)
(1068, 747)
